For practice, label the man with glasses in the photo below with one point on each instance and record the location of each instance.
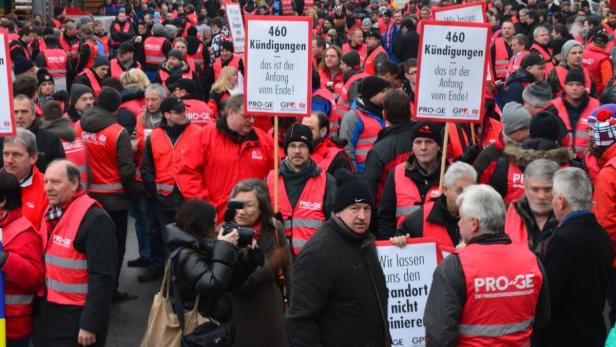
(223, 154)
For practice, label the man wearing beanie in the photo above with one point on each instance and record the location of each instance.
(536, 97)
(24, 67)
(572, 52)
(227, 58)
(162, 153)
(112, 168)
(516, 125)
(574, 107)
(352, 74)
(124, 60)
(94, 76)
(81, 98)
(412, 182)
(155, 49)
(531, 69)
(596, 59)
(376, 54)
(305, 191)
(361, 125)
(338, 284)
(356, 44)
(174, 68)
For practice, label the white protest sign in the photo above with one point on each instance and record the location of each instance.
(470, 13)
(7, 118)
(279, 72)
(408, 274)
(452, 70)
(234, 15)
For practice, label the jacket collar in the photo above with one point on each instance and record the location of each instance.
(221, 124)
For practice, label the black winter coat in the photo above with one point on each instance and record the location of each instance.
(334, 302)
(578, 264)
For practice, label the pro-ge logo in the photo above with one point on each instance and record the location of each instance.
(308, 205)
(29, 204)
(62, 242)
(492, 287)
(256, 155)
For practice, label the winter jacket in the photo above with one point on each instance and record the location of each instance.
(220, 159)
(334, 302)
(96, 119)
(120, 36)
(605, 194)
(60, 127)
(413, 225)
(448, 296)
(515, 84)
(538, 239)
(405, 46)
(578, 263)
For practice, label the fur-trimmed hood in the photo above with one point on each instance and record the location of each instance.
(522, 155)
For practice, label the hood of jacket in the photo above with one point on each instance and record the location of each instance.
(60, 127)
(178, 238)
(96, 119)
(521, 76)
(522, 155)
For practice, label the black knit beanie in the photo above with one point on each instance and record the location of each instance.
(351, 190)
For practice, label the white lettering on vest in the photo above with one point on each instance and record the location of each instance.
(197, 116)
(256, 155)
(492, 287)
(518, 180)
(315, 206)
(62, 242)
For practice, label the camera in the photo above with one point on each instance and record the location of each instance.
(245, 238)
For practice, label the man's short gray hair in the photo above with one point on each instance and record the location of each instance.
(541, 169)
(234, 103)
(457, 171)
(483, 203)
(158, 89)
(23, 97)
(574, 185)
(538, 30)
(26, 138)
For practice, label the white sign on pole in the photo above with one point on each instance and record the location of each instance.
(470, 13)
(408, 274)
(7, 118)
(452, 70)
(234, 15)
(278, 68)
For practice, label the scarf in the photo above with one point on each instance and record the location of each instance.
(55, 213)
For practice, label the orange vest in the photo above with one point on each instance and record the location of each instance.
(546, 55)
(435, 231)
(368, 136)
(334, 122)
(578, 140)
(153, 49)
(408, 198)
(593, 56)
(117, 70)
(199, 112)
(235, 62)
(286, 7)
(197, 57)
(513, 284)
(55, 60)
(301, 222)
(515, 184)
(134, 106)
(362, 51)
(326, 156)
(34, 200)
(120, 29)
(71, 50)
(77, 154)
(369, 65)
(66, 272)
(168, 157)
(561, 72)
(101, 147)
(501, 59)
(164, 76)
(344, 93)
(96, 87)
(457, 144)
(515, 62)
(515, 227)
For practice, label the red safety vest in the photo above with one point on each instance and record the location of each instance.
(515, 62)
(408, 198)
(120, 29)
(164, 75)
(197, 57)
(344, 93)
(101, 147)
(369, 65)
(547, 55)
(105, 42)
(153, 49)
(593, 56)
(515, 227)
(117, 70)
(66, 273)
(96, 87)
(286, 7)
(33, 199)
(334, 121)
(561, 72)
(367, 137)
(301, 222)
(77, 154)
(515, 184)
(325, 154)
(492, 132)
(55, 60)
(168, 156)
(199, 112)
(435, 231)
(513, 284)
(578, 140)
(362, 51)
(134, 106)
(71, 50)
(457, 144)
(235, 62)
(501, 58)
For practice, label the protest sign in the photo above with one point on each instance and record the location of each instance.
(469, 13)
(7, 118)
(452, 70)
(278, 69)
(408, 275)
(234, 15)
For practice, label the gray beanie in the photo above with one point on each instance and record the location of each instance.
(171, 30)
(538, 94)
(515, 117)
(567, 47)
(158, 30)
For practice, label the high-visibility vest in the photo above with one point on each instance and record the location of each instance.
(593, 57)
(286, 7)
(153, 49)
(458, 144)
(120, 29)
(344, 93)
(515, 184)
(334, 122)
(55, 60)
(367, 137)
(515, 227)
(501, 58)
(578, 139)
(71, 50)
(301, 222)
(547, 55)
(77, 154)
(33, 199)
(561, 72)
(235, 62)
(104, 42)
(116, 68)
(199, 112)
(168, 156)
(435, 231)
(325, 155)
(514, 284)
(96, 87)
(369, 64)
(197, 57)
(134, 106)
(66, 269)
(164, 75)
(515, 62)
(408, 198)
(361, 50)
(101, 147)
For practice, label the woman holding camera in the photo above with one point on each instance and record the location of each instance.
(258, 306)
(207, 263)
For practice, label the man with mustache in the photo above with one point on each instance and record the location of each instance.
(305, 191)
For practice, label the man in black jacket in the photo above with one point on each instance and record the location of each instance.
(339, 293)
(407, 44)
(578, 264)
